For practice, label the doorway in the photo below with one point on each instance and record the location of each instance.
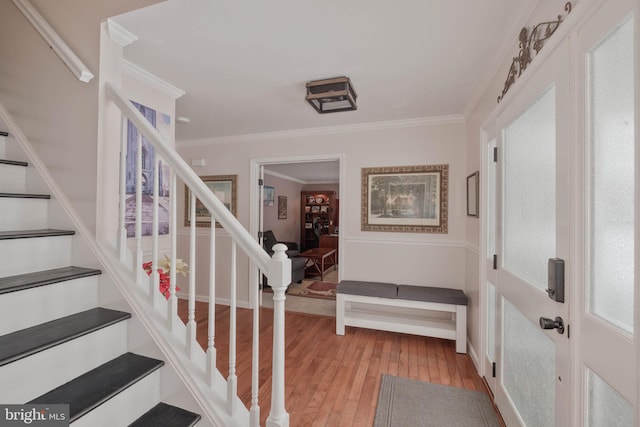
(287, 178)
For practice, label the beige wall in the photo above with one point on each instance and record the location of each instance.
(57, 112)
(409, 258)
(286, 230)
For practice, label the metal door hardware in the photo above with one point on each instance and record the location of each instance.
(558, 323)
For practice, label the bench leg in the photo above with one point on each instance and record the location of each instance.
(340, 307)
(461, 329)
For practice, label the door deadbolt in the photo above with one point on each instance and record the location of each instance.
(558, 323)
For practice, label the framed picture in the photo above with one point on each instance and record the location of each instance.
(224, 187)
(410, 199)
(315, 209)
(269, 195)
(473, 188)
(282, 207)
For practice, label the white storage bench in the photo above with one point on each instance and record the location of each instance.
(366, 305)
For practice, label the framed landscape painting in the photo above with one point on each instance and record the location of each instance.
(224, 187)
(405, 199)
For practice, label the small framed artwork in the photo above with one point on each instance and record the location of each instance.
(282, 207)
(224, 187)
(269, 195)
(315, 209)
(324, 209)
(411, 199)
(473, 186)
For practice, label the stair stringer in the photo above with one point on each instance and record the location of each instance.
(118, 291)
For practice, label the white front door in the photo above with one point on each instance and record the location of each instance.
(533, 384)
(606, 368)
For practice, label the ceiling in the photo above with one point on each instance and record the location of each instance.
(244, 64)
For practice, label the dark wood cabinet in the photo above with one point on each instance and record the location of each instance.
(318, 212)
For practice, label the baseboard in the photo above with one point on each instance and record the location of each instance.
(474, 357)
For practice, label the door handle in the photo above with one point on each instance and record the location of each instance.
(558, 323)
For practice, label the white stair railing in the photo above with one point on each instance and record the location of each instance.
(277, 269)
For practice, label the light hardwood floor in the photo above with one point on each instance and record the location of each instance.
(332, 380)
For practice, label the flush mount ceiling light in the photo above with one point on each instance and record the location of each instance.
(332, 95)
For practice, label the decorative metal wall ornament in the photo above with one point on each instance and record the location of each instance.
(535, 40)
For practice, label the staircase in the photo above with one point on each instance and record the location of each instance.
(57, 344)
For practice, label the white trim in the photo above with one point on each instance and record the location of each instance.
(299, 181)
(327, 130)
(132, 70)
(64, 52)
(119, 35)
(473, 248)
(405, 242)
(474, 357)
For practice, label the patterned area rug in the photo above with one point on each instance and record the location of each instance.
(313, 289)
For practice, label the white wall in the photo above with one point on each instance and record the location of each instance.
(409, 258)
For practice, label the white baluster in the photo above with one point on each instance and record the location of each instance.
(232, 380)
(279, 279)
(254, 411)
(154, 283)
(122, 242)
(172, 314)
(139, 253)
(211, 342)
(191, 321)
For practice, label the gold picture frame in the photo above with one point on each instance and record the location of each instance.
(411, 199)
(224, 187)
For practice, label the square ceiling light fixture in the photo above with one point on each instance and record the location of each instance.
(332, 95)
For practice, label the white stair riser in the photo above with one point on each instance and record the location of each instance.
(12, 178)
(23, 214)
(20, 256)
(23, 309)
(126, 407)
(39, 373)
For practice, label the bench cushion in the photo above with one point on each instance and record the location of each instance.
(371, 289)
(439, 295)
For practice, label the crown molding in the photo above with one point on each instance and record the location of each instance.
(327, 130)
(152, 80)
(119, 35)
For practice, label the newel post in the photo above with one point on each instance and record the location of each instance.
(279, 278)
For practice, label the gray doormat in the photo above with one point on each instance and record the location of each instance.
(409, 403)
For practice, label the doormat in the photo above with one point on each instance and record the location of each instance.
(406, 403)
(313, 289)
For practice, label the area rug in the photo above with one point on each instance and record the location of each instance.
(407, 403)
(313, 289)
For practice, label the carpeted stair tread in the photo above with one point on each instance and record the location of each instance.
(13, 162)
(164, 415)
(24, 196)
(46, 277)
(95, 387)
(23, 343)
(27, 234)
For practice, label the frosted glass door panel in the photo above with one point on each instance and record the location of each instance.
(530, 191)
(605, 407)
(611, 252)
(529, 368)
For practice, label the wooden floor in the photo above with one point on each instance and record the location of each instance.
(332, 380)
